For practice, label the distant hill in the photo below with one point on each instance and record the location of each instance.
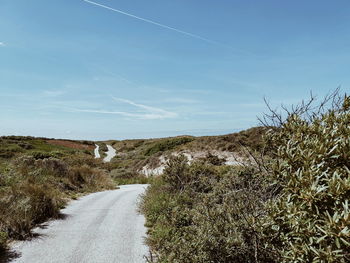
(136, 158)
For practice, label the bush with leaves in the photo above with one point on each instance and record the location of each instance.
(310, 221)
(206, 213)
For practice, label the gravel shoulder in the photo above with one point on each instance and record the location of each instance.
(100, 227)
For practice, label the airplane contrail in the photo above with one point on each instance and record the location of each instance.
(155, 23)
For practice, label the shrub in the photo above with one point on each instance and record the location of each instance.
(203, 213)
(89, 178)
(290, 208)
(310, 221)
(214, 160)
(53, 166)
(167, 144)
(103, 147)
(124, 176)
(3, 240)
(41, 155)
(33, 190)
(25, 206)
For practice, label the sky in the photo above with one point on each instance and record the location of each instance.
(117, 69)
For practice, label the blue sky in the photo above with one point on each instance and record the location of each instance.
(141, 69)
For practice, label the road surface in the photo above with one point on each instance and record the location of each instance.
(110, 154)
(102, 227)
(97, 153)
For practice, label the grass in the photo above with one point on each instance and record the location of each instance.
(133, 155)
(37, 177)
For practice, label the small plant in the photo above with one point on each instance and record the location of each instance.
(214, 160)
(3, 240)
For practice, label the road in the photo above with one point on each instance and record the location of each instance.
(96, 151)
(109, 154)
(102, 227)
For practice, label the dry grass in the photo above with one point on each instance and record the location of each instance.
(72, 144)
(36, 182)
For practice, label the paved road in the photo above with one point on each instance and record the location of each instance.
(96, 151)
(102, 227)
(110, 154)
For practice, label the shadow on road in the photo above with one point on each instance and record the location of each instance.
(8, 255)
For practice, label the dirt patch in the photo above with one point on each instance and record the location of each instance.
(71, 144)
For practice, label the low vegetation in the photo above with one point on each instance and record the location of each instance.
(289, 202)
(38, 176)
(206, 213)
(134, 155)
(310, 221)
(290, 205)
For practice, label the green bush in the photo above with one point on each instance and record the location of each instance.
(214, 160)
(292, 207)
(204, 213)
(41, 154)
(124, 176)
(3, 240)
(310, 221)
(8, 150)
(167, 144)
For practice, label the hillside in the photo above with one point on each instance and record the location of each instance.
(39, 175)
(139, 158)
(290, 205)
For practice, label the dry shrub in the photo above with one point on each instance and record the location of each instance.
(54, 166)
(33, 190)
(214, 159)
(82, 159)
(90, 178)
(26, 205)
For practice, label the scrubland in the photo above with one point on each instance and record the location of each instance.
(285, 199)
(37, 178)
(133, 156)
(289, 204)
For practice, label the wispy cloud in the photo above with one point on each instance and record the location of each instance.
(181, 100)
(2, 44)
(156, 23)
(53, 93)
(144, 112)
(149, 111)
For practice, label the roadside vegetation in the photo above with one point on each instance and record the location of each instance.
(37, 178)
(288, 201)
(290, 204)
(133, 155)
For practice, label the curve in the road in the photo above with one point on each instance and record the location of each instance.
(97, 152)
(103, 227)
(110, 154)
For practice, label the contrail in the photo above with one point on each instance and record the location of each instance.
(156, 23)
